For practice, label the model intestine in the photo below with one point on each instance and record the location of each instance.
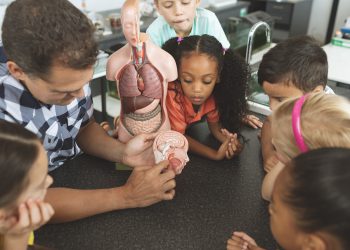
(142, 71)
(173, 146)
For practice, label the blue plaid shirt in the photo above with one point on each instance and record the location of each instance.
(57, 126)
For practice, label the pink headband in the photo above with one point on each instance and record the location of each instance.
(297, 125)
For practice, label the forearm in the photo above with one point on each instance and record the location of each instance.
(18, 242)
(201, 149)
(215, 129)
(75, 204)
(95, 141)
(269, 181)
(266, 141)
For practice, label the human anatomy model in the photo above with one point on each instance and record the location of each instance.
(142, 71)
(173, 146)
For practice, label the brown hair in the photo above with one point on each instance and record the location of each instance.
(38, 33)
(299, 61)
(19, 149)
(325, 122)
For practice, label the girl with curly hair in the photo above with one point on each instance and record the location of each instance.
(212, 83)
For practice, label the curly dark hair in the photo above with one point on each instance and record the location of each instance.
(230, 92)
(298, 60)
(38, 33)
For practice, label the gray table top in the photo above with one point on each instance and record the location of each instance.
(212, 199)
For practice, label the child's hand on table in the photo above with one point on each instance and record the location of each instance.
(241, 241)
(253, 121)
(234, 147)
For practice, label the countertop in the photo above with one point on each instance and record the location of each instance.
(338, 63)
(212, 199)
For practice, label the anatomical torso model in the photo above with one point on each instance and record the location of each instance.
(142, 71)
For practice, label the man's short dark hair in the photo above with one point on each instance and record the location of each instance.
(38, 33)
(299, 61)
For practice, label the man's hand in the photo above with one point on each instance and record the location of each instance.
(148, 185)
(31, 216)
(138, 151)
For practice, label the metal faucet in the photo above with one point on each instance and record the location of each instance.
(251, 34)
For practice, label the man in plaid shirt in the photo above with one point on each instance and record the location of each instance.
(44, 87)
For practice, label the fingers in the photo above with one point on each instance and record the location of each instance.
(149, 136)
(46, 211)
(23, 218)
(6, 223)
(31, 216)
(170, 185)
(34, 213)
(245, 237)
(236, 242)
(270, 163)
(234, 147)
(169, 195)
(253, 121)
(231, 150)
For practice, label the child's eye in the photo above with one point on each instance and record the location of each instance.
(187, 80)
(207, 82)
(167, 5)
(186, 2)
(280, 99)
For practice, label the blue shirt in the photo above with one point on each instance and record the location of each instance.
(205, 22)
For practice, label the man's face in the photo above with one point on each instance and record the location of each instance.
(61, 86)
(278, 92)
(179, 14)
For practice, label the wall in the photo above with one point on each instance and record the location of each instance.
(320, 13)
(343, 12)
(99, 5)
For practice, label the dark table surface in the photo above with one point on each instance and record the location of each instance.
(212, 199)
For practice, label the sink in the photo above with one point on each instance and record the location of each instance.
(258, 101)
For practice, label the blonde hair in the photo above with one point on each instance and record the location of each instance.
(325, 122)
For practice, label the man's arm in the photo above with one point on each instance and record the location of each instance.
(145, 186)
(94, 140)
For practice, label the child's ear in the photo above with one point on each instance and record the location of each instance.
(318, 88)
(15, 70)
(198, 2)
(156, 4)
(314, 242)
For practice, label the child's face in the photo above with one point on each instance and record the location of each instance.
(60, 87)
(282, 218)
(278, 92)
(179, 14)
(38, 180)
(280, 155)
(198, 74)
